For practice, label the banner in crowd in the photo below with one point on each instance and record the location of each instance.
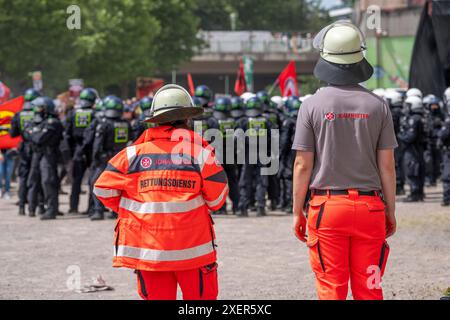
(248, 71)
(240, 86)
(146, 86)
(287, 81)
(4, 92)
(7, 111)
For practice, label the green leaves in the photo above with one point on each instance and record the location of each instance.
(118, 41)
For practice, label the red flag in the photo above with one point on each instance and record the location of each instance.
(4, 92)
(240, 86)
(7, 111)
(287, 80)
(191, 84)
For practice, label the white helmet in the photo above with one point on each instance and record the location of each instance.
(172, 103)
(393, 98)
(414, 103)
(379, 92)
(277, 100)
(447, 95)
(414, 92)
(247, 95)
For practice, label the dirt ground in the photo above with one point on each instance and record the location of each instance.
(259, 258)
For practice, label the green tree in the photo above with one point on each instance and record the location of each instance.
(123, 39)
(117, 41)
(288, 15)
(34, 37)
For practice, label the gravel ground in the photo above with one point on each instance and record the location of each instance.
(258, 257)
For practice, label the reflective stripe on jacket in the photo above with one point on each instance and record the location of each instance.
(162, 188)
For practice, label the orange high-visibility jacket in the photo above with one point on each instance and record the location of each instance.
(162, 188)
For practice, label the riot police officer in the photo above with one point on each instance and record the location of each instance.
(444, 143)
(225, 123)
(252, 183)
(237, 108)
(139, 126)
(271, 114)
(18, 123)
(395, 102)
(203, 97)
(77, 121)
(412, 135)
(45, 133)
(434, 119)
(287, 155)
(111, 135)
(87, 146)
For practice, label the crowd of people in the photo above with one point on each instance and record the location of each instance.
(422, 126)
(87, 136)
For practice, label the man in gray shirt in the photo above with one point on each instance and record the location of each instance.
(345, 141)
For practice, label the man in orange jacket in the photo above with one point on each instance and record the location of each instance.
(163, 187)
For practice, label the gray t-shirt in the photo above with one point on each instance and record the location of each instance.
(345, 126)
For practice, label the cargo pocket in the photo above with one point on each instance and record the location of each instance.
(315, 255)
(207, 282)
(376, 207)
(142, 289)
(384, 254)
(315, 212)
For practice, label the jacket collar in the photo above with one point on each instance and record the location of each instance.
(171, 134)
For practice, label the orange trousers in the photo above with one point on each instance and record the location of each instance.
(347, 243)
(195, 284)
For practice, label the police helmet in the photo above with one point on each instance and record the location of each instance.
(113, 107)
(222, 104)
(253, 107)
(146, 104)
(293, 104)
(393, 98)
(246, 96)
(236, 103)
(263, 96)
(88, 97)
(379, 92)
(414, 92)
(31, 94)
(42, 108)
(414, 104)
(204, 92)
(447, 95)
(276, 101)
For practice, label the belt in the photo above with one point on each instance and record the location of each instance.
(345, 192)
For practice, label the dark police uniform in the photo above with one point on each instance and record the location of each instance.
(252, 183)
(444, 143)
(412, 136)
(77, 122)
(45, 138)
(397, 114)
(226, 125)
(18, 123)
(111, 136)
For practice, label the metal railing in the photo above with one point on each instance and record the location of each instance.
(249, 43)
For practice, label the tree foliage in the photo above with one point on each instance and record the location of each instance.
(122, 39)
(287, 15)
(118, 41)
